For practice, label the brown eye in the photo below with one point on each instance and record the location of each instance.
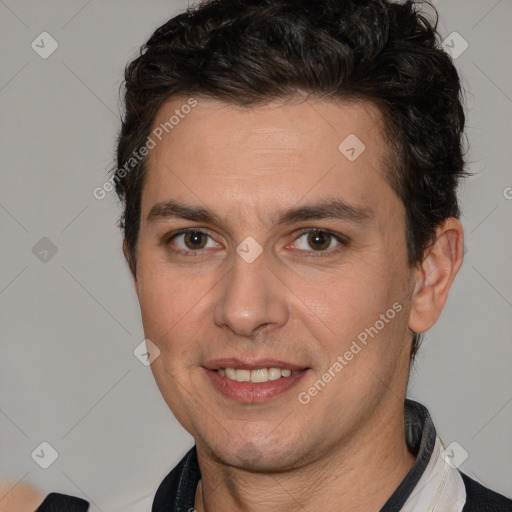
(319, 240)
(192, 240)
(195, 240)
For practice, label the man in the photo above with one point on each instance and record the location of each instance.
(288, 171)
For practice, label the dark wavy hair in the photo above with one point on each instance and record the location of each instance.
(249, 52)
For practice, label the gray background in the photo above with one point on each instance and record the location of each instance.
(69, 324)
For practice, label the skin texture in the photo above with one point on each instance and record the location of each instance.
(18, 497)
(346, 447)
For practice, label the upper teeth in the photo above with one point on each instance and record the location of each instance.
(257, 375)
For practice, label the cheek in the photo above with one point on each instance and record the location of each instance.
(345, 300)
(360, 303)
(176, 315)
(165, 295)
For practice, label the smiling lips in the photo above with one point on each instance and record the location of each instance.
(253, 382)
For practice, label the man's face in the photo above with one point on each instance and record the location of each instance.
(211, 301)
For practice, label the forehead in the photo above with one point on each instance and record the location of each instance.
(266, 158)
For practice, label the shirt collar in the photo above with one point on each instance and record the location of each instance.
(177, 491)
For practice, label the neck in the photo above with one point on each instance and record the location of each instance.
(359, 476)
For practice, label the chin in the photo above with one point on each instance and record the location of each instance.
(268, 455)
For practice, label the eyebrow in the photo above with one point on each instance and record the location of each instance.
(174, 209)
(324, 209)
(327, 209)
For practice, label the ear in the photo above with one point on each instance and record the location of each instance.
(436, 274)
(129, 258)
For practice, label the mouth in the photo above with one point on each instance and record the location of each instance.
(257, 375)
(252, 382)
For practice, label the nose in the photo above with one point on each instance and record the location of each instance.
(251, 299)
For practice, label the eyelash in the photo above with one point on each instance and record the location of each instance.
(341, 239)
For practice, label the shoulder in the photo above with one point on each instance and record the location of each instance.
(482, 499)
(61, 503)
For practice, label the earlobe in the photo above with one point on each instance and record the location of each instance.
(436, 273)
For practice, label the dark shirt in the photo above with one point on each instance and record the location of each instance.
(177, 491)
